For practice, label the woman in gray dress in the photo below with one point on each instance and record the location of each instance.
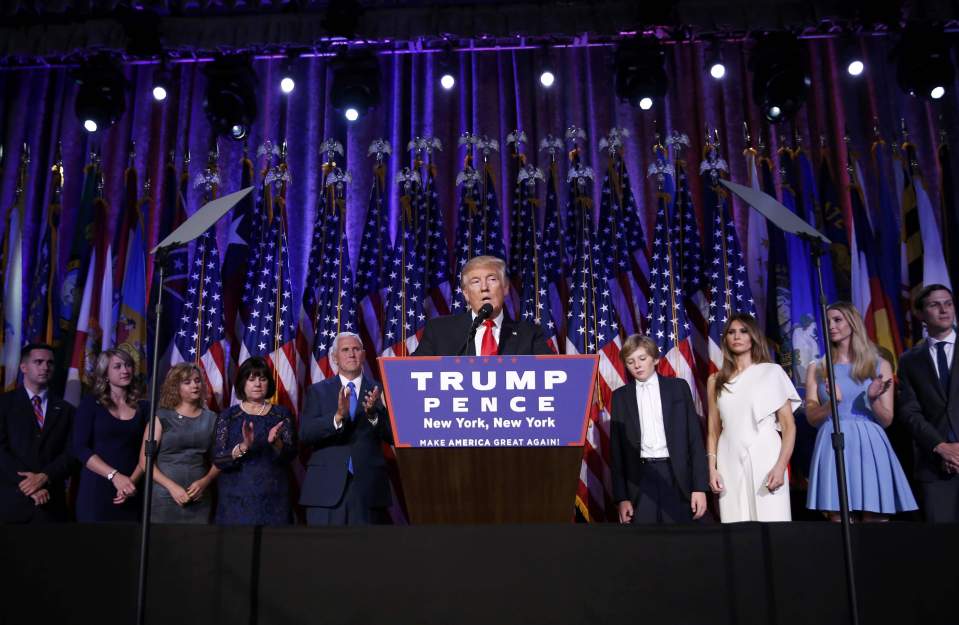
(184, 433)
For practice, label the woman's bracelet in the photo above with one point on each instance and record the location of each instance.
(710, 455)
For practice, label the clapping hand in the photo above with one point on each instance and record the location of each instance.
(343, 405)
(274, 437)
(877, 387)
(247, 429)
(370, 400)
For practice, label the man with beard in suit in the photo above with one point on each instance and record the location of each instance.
(485, 287)
(928, 404)
(35, 432)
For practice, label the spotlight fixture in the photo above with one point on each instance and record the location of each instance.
(780, 75)
(287, 82)
(640, 76)
(230, 97)
(445, 70)
(851, 56)
(547, 78)
(356, 83)
(101, 98)
(162, 82)
(714, 60)
(923, 67)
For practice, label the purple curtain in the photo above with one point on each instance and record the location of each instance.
(497, 91)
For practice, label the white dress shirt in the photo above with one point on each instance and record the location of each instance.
(950, 341)
(651, 428)
(481, 332)
(359, 400)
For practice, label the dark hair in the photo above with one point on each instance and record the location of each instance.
(255, 366)
(758, 352)
(29, 347)
(920, 302)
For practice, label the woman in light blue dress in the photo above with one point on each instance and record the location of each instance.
(877, 485)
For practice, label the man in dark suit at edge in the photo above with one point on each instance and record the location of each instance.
(344, 422)
(484, 282)
(928, 404)
(35, 433)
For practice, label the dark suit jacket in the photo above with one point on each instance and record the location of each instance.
(444, 336)
(25, 447)
(326, 471)
(921, 405)
(684, 438)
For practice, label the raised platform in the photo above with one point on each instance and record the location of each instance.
(779, 574)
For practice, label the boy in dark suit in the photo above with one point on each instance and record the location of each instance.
(658, 459)
(35, 432)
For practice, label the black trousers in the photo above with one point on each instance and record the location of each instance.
(940, 500)
(660, 500)
(349, 510)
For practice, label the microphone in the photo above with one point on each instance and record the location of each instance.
(484, 313)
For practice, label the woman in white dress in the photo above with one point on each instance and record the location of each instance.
(751, 428)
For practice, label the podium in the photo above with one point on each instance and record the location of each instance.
(489, 439)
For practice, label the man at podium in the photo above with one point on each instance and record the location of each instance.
(484, 329)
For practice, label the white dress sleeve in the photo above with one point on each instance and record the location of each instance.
(773, 389)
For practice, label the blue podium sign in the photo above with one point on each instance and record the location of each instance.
(489, 401)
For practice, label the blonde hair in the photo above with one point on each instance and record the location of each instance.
(862, 351)
(758, 352)
(134, 391)
(483, 261)
(638, 341)
(177, 375)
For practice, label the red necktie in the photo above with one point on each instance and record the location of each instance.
(489, 347)
(38, 410)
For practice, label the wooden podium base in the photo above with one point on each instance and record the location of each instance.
(490, 484)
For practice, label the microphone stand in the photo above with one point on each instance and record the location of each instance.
(150, 445)
(838, 440)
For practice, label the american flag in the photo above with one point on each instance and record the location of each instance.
(431, 228)
(405, 314)
(667, 321)
(247, 224)
(552, 257)
(271, 329)
(535, 305)
(729, 290)
(592, 328)
(373, 264)
(692, 263)
(480, 230)
(622, 240)
(201, 335)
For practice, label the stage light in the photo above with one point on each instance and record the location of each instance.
(446, 67)
(639, 74)
(162, 82)
(356, 83)
(287, 81)
(229, 100)
(101, 98)
(287, 84)
(855, 67)
(714, 60)
(447, 81)
(547, 78)
(780, 75)
(923, 67)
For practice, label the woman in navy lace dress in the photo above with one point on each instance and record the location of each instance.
(254, 443)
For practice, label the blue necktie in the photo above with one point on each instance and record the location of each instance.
(352, 387)
(943, 365)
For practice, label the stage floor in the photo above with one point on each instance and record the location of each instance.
(781, 574)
